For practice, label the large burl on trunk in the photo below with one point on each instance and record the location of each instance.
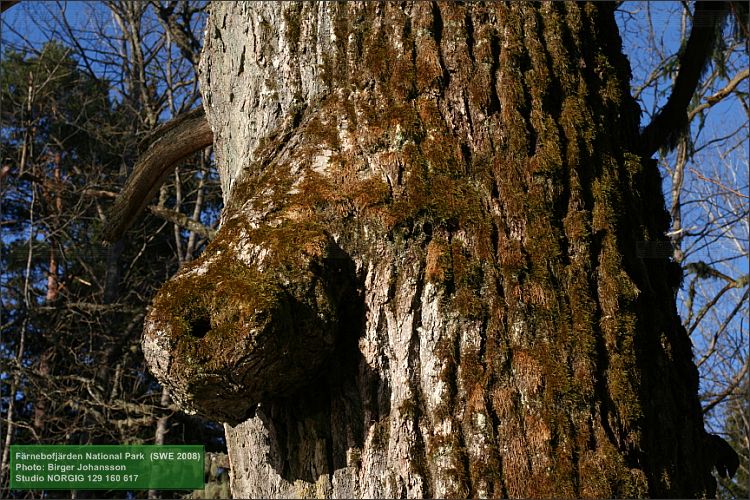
(427, 279)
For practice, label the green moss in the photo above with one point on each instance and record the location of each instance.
(323, 133)
(607, 475)
(377, 56)
(207, 311)
(381, 434)
(456, 472)
(292, 19)
(634, 167)
(409, 409)
(467, 276)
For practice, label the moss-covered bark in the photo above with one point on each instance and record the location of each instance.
(473, 167)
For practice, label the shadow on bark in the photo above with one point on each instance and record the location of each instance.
(318, 429)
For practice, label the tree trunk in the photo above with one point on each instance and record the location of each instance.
(427, 280)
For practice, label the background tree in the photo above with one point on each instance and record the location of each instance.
(706, 186)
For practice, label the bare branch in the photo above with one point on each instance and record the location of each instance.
(183, 221)
(171, 143)
(721, 94)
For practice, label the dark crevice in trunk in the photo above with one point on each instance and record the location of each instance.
(450, 376)
(437, 24)
(607, 405)
(466, 154)
(482, 348)
(463, 458)
(552, 100)
(242, 62)
(419, 462)
(574, 453)
(469, 35)
(278, 441)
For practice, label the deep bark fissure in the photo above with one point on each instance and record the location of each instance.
(469, 36)
(437, 23)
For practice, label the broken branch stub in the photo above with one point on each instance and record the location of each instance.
(256, 319)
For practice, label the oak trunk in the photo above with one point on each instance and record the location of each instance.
(435, 274)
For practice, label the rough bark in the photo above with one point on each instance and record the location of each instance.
(426, 281)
